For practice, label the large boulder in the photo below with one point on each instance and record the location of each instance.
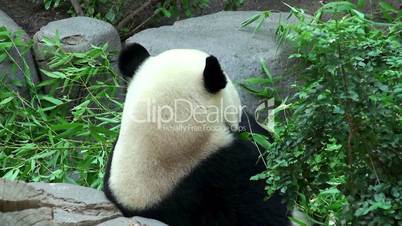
(238, 49)
(8, 67)
(59, 204)
(77, 34)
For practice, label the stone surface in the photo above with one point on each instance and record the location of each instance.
(6, 67)
(132, 221)
(85, 195)
(77, 34)
(59, 204)
(238, 49)
(37, 217)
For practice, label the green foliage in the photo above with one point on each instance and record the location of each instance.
(51, 4)
(173, 8)
(91, 8)
(14, 43)
(337, 152)
(390, 12)
(259, 19)
(264, 82)
(233, 4)
(64, 129)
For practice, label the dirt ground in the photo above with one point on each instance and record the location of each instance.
(31, 15)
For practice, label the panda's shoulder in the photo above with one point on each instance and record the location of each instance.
(240, 157)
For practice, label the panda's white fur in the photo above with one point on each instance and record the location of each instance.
(149, 162)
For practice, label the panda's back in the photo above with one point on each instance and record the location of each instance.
(219, 192)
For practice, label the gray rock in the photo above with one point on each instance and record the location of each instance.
(76, 205)
(73, 192)
(69, 204)
(6, 67)
(132, 221)
(238, 50)
(77, 34)
(59, 204)
(37, 217)
(6, 21)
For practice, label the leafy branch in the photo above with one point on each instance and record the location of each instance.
(337, 155)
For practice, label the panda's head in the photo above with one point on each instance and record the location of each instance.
(180, 108)
(179, 86)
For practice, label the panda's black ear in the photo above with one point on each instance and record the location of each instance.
(131, 57)
(214, 78)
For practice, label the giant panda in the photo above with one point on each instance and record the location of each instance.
(186, 171)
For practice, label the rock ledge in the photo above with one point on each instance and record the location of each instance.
(37, 204)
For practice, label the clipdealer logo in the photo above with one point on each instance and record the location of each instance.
(186, 115)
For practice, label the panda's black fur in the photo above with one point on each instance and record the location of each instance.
(218, 191)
